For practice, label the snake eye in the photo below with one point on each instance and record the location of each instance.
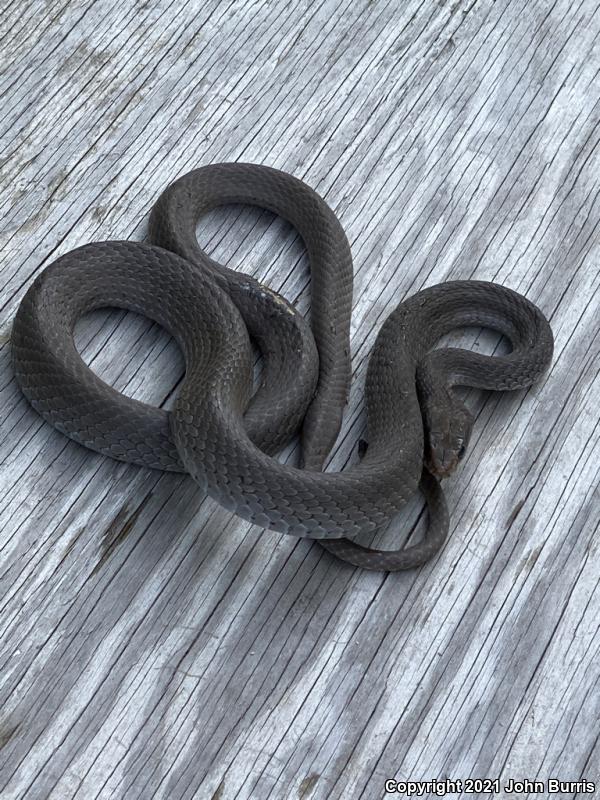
(461, 451)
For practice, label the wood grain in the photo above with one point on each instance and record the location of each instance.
(154, 646)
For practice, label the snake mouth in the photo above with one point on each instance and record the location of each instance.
(442, 462)
(440, 472)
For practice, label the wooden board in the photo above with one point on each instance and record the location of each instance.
(154, 646)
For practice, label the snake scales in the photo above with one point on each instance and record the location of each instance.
(223, 434)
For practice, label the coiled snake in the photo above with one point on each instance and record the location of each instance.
(224, 436)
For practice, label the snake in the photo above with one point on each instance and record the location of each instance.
(224, 430)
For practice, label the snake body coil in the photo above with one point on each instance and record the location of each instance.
(225, 437)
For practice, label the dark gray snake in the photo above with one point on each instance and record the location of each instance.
(225, 436)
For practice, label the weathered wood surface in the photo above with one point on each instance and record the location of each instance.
(153, 646)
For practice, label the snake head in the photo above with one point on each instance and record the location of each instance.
(447, 434)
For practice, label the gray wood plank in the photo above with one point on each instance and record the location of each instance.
(152, 645)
